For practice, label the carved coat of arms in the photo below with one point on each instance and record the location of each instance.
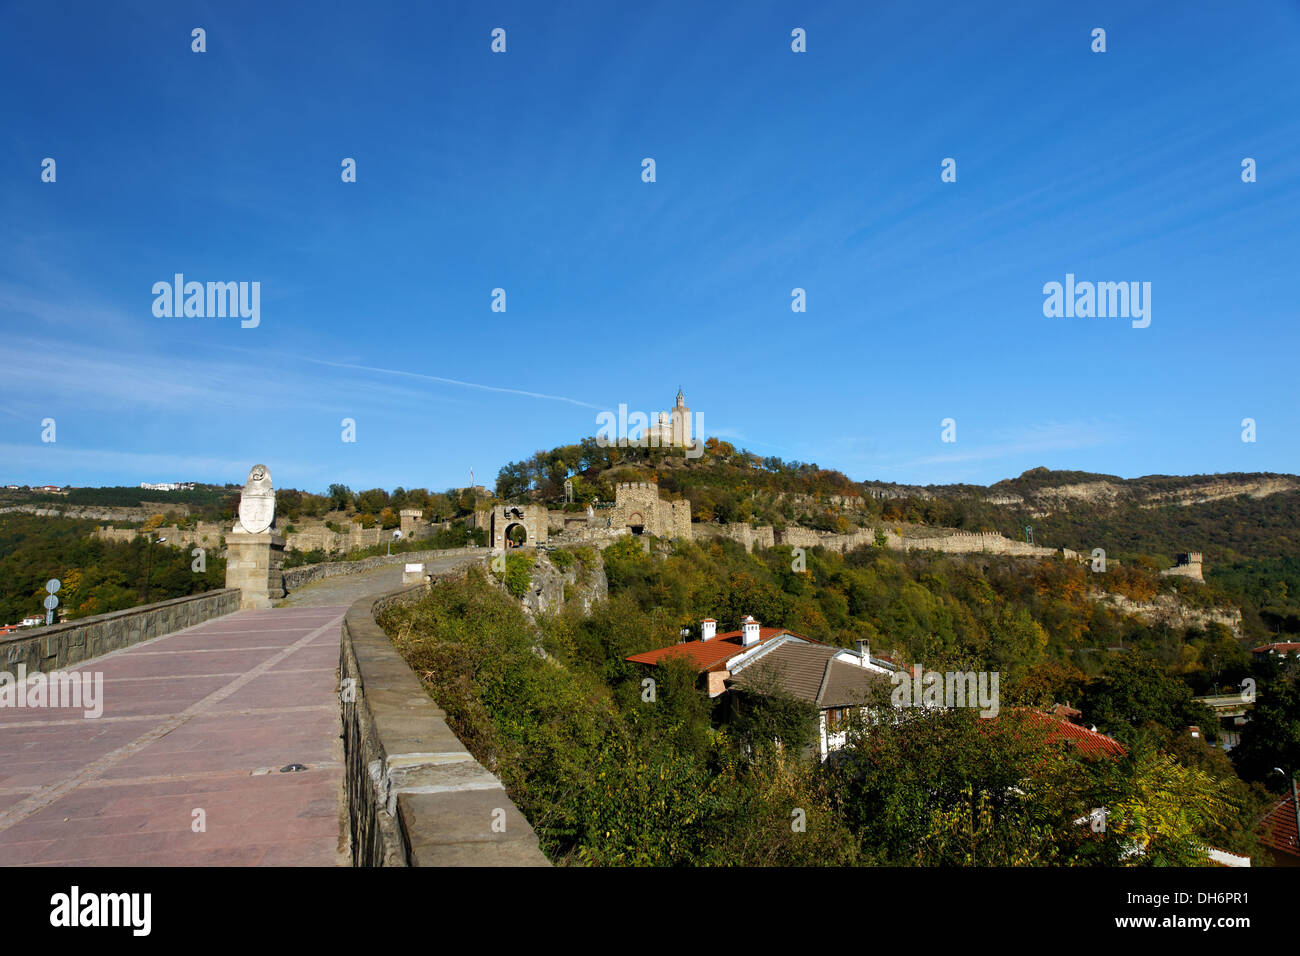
(257, 502)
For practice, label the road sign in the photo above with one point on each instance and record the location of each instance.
(51, 603)
(52, 585)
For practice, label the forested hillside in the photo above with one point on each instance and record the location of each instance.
(97, 576)
(609, 777)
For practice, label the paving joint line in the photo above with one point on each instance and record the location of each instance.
(25, 808)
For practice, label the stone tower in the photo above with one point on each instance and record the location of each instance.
(681, 421)
(1189, 566)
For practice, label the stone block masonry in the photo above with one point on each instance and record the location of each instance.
(532, 519)
(415, 795)
(761, 537)
(254, 564)
(1189, 566)
(639, 508)
(62, 645)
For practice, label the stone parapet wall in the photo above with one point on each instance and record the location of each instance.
(415, 795)
(63, 645)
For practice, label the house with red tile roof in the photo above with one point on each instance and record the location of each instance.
(1085, 741)
(1277, 649)
(834, 679)
(1277, 832)
(1059, 722)
(712, 653)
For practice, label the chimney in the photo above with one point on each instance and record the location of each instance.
(749, 631)
(708, 628)
(864, 648)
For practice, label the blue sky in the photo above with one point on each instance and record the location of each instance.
(522, 170)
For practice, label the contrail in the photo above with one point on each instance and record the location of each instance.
(434, 378)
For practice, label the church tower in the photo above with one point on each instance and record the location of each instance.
(681, 421)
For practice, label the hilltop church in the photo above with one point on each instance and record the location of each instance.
(673, 428)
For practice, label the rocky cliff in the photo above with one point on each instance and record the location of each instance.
(552, 588)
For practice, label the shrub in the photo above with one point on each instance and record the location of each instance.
(518, 573)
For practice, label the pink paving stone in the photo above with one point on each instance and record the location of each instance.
(16, 854)
(137, 809)
(9, 799)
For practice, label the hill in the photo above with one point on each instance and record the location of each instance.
(1247, 526)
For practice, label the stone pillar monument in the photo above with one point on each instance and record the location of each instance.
(254, 551)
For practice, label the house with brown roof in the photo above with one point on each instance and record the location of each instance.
(834, 679)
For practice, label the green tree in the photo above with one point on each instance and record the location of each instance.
(769, 717)
(340, 497)
(1271, 738)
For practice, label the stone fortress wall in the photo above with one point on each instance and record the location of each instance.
(965, 542)
(306, 536)
(796, 536)
(533, 519)
(208, 534)
(953, 542)
(761, 537)
(637, 505)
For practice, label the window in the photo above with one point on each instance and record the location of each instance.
(837, 719)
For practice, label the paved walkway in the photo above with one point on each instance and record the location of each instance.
(346, 588)
(184, 765)
(200, 720)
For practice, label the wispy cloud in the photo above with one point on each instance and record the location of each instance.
(58, 459)
(41, 373)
